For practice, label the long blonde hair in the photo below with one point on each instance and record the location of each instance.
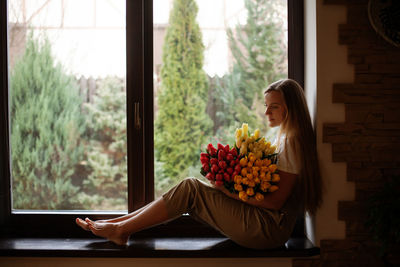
(297, 126)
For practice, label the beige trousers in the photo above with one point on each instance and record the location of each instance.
(246, 225)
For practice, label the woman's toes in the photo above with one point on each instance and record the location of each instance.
(82, 224)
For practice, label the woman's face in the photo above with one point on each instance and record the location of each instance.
(275, 108)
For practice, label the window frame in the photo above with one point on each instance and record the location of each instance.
(140, 142)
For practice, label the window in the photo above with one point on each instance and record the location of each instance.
(139, 116)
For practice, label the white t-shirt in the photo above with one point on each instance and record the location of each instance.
(288, 160)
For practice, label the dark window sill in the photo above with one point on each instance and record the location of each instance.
(165, 247)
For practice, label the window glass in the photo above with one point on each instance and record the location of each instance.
(67, 66)
(212, 60)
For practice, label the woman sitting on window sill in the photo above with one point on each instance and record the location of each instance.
(254, 224)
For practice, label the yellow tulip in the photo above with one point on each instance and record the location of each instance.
(264, 169)
(238, 143)
(243, 172)
(265, 186)
(266, 162)
(237, 179)
(258, 163)
(268, 176)
(255, 174)
(238, 187)
(255, 168)
(243, 162)
(275, 177)
(257, 180)
(243, 196)
(272, 167)
(245, 181)
(273, 188)
(238, 134)
(259, 196)
(245, 128)
(250, 191)
(243, 148)
(256, 133)
(249, 176)
(251, 183)
(251, 146)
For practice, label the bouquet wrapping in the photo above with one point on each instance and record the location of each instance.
(248, 168)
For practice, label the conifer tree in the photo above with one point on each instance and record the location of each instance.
(259, 53)
(182, 122)
(106, 185)
(46, 125)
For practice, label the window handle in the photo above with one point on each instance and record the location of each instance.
(137, 116)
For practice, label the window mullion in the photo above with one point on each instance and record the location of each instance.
(135, 88)
(5, 182)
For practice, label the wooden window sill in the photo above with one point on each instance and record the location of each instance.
(160, 247)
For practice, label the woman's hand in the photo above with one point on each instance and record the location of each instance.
(224, 190)
(273, 201)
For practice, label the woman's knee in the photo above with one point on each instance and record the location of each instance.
(190, 183)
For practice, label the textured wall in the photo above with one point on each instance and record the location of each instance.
(368, 140)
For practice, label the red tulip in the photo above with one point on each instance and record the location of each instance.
(206, 167)
(204, 160)
(233, 151)
(210, 176)
(221, 155)
(213, 161)
(214, 168)
(238, 168)
(211, 150)
(229, 157)
(226, 149)
(222, 164)
(227, 177)
(219, 183)
(220, 147)
(219, 177)
(229, 170)
(232, 163)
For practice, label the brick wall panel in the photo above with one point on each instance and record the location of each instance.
(365, 189)
(369, 78)
(361, 113)
(357, 231)
(352, 211)
(369, 138)
(359, 133)
(373, 96)
(357, 15)
(369, 173)
(382, 58)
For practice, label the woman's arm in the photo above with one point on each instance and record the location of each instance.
(273, 201)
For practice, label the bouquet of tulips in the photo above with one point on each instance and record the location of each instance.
(248, 168)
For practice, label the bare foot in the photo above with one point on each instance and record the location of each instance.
(110, 231)
(84, 225)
